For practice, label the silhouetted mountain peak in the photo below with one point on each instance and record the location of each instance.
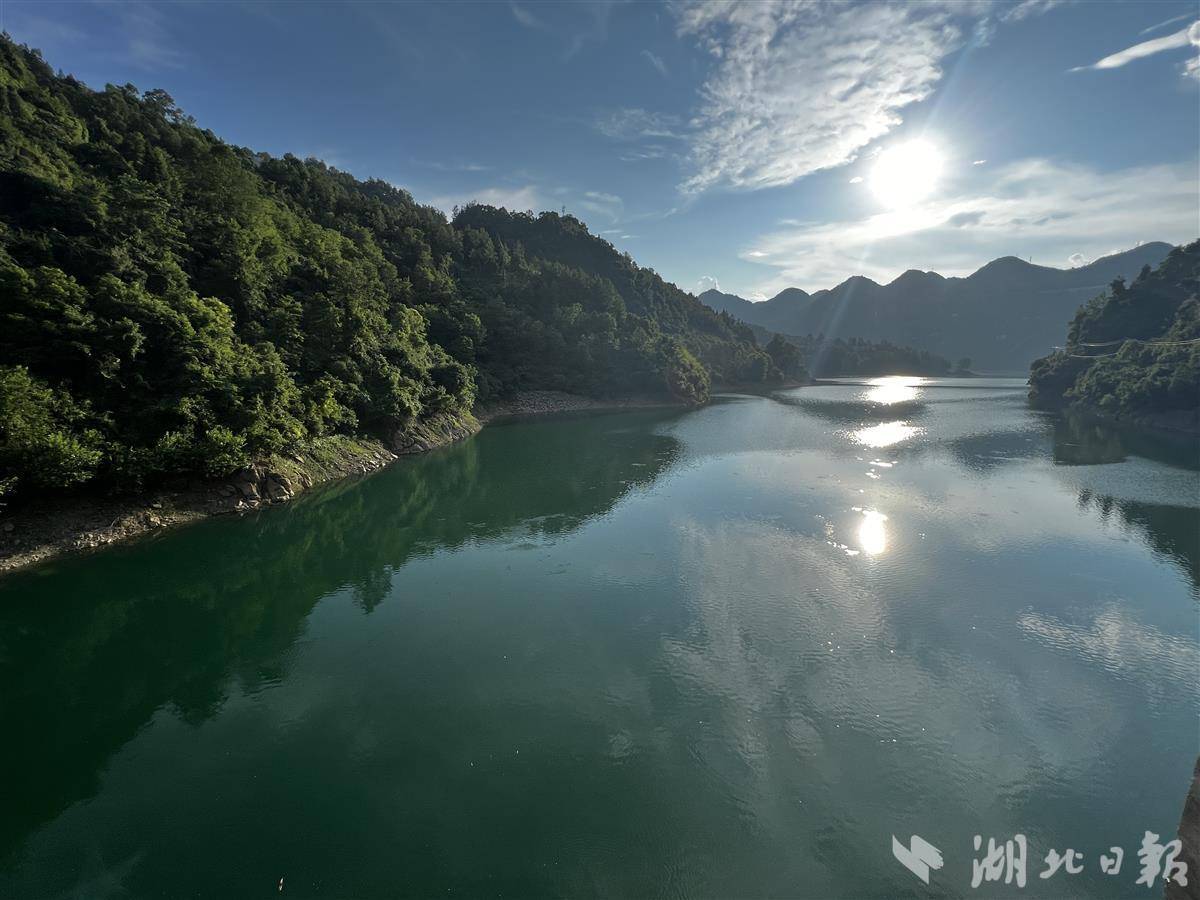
(916, 277)
(857, 281)
(1006, 267)
(1003, 315)
(1156, 249)
(731, 303)
(790, 295)
(1103, 270)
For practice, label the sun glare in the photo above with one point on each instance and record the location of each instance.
(872, 533)
(906, 173)
(891, 389)
(885, 434)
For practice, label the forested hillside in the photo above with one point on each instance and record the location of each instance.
(173, 304)
(1133, 351)
(825, 357)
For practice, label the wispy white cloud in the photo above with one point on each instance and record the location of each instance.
(527, 18)
(583, 23)
(142, 36)
(597, 13)
(148, 42)
(39, 31)
(857, 179)
(1189, 36)
(1164, 24)
(520, 198)
(609, 206)
(649, 151)
(443, 166)
(1034, 206)
(978, 162)
(657, 62)
(635, 123)
(707, 283)
(645, 133)
(797, 88)
(1027, 9)
(331, 156)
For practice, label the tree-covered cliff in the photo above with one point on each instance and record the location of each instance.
(170, 303)
(1134, 351)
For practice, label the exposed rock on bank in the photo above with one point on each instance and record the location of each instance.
(432, 433)
(39, 531)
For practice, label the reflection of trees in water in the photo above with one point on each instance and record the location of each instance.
(853, 413)
(992, 449)
(91, 648)
(1070, 441)
(1083, 441)
(1173, 531)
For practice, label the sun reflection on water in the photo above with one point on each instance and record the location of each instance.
(872, 533)
(885, 434)
(893, 389)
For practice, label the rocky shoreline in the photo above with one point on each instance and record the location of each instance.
(41, 531)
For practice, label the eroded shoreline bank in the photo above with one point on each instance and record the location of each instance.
(42, 531)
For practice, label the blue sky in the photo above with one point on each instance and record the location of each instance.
(718, 143)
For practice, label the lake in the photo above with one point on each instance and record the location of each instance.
(723, 652)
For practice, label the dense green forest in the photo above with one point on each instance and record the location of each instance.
(823, 357)
(170, 303)
(857, 356)
(1133, 351)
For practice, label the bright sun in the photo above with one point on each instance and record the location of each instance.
(906, 173)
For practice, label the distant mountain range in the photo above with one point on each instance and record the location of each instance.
(1003, 316)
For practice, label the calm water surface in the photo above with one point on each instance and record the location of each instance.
(727, 652)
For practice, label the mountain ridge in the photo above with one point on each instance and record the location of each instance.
(1003, 315)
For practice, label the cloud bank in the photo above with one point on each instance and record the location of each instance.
(1035, 206)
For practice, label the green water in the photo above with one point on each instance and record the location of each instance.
(728, 652)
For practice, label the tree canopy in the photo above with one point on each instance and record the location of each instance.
(1133, 350)
(170, 303)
